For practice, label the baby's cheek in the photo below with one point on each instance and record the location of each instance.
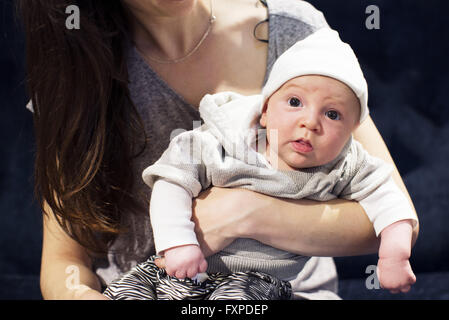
(328, 153)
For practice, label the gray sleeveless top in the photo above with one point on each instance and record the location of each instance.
(164, 110)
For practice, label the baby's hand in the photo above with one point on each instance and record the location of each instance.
(184, 261)
(395, 274)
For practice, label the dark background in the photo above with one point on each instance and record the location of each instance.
(406, 64)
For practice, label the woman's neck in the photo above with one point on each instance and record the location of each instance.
(169, 36)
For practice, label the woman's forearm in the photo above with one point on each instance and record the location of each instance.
(68, 279)
(66, 271)
(333, 228)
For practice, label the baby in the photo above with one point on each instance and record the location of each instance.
(294, 141)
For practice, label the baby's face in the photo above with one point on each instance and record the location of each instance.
(314, 117)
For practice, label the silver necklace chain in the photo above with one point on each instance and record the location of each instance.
(212, 19)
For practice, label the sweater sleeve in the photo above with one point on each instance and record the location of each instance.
(362, 174)
(387, 205)
(368, 180)
(177, 177)
(184, 162)
(170, 213)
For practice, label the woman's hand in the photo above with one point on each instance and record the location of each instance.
(220, 215)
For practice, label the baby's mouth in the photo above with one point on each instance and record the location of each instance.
(302, 146)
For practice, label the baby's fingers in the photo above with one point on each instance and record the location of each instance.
(197, 268)
(192, 272)
(405, 289)
(409, 281)
(203, 266)
(406, 286)
(180, 273)
(394, 291)
(412, 278)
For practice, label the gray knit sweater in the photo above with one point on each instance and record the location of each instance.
(222, 153)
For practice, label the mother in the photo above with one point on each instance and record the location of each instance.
(107, 98)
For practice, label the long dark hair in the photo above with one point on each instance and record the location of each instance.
(86, 127)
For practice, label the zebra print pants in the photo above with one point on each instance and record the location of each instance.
(148, 282)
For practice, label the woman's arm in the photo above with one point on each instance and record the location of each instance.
(66, 267)
(333, 228)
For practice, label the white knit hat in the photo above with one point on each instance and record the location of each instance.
(322, 53)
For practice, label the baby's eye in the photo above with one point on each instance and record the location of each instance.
(333, 115)
(294, 102)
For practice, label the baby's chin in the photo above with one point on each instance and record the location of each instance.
(308, 163)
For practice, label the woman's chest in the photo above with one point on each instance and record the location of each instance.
(235, 62)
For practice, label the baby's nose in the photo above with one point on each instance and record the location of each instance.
(310, 121)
